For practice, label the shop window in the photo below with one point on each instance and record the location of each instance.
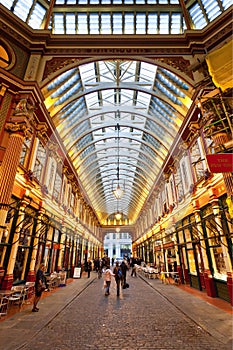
(172, 187)
(25, 153)
(191, 260)
(57, 186)
(171, 253)
(51, 174)
(179, 185)
(215, 247)
(19, 264)
(219, 260)
(39, 162)
(198, 162)
(184, 173)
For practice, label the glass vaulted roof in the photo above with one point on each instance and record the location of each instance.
(117, 118)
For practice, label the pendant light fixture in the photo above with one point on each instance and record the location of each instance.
(118, 191)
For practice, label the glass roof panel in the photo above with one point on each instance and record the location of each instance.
(37, 16)
(121, 19)
(22, 8)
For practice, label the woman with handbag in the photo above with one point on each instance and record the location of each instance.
(40, 286)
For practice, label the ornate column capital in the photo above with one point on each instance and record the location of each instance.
(22, 122)
(19, 125)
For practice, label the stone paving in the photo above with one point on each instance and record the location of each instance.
(81, 317)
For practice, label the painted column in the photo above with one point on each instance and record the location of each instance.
(19, 128)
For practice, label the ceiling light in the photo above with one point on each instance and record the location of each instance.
(118, 215)
(119, 190)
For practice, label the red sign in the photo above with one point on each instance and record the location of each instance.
(220, 163)
(56, 246)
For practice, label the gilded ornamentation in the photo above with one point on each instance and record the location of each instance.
(25, 107)
(179, 63)
(19, 127)
(56, 64)
(54, 151)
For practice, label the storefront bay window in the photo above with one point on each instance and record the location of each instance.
(25, 241)
(55, 250)
(5, 231)
(215, 242)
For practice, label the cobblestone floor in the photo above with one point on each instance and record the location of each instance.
(140, 319)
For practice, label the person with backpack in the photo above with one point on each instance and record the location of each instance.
(118, 276)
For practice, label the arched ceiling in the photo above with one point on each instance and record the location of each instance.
(117, 118)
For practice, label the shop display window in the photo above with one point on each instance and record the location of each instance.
(192, 264)
(218, 261)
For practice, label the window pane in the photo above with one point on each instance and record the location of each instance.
(152, 23)
(37, 17)
(175, 24)
(117, 23)
(212, 9)
(22, 8)
(141, 23)
(197, 16)
(58, 24)
(82, 23)
(105, 23)
(94, 23)
(70, 23)
(164, 24)
(129, 23)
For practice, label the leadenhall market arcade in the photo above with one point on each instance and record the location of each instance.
(116, 117)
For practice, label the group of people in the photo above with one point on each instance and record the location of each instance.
(119, 272)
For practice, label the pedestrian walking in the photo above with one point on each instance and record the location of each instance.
(89, 268)
(107, 279)
(132, 264)
(40, 286)
(124, 269)
(118, 277)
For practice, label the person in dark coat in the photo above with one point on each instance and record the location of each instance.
(118, 278)
(89, 268)
(40, 284)
(124, 269)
